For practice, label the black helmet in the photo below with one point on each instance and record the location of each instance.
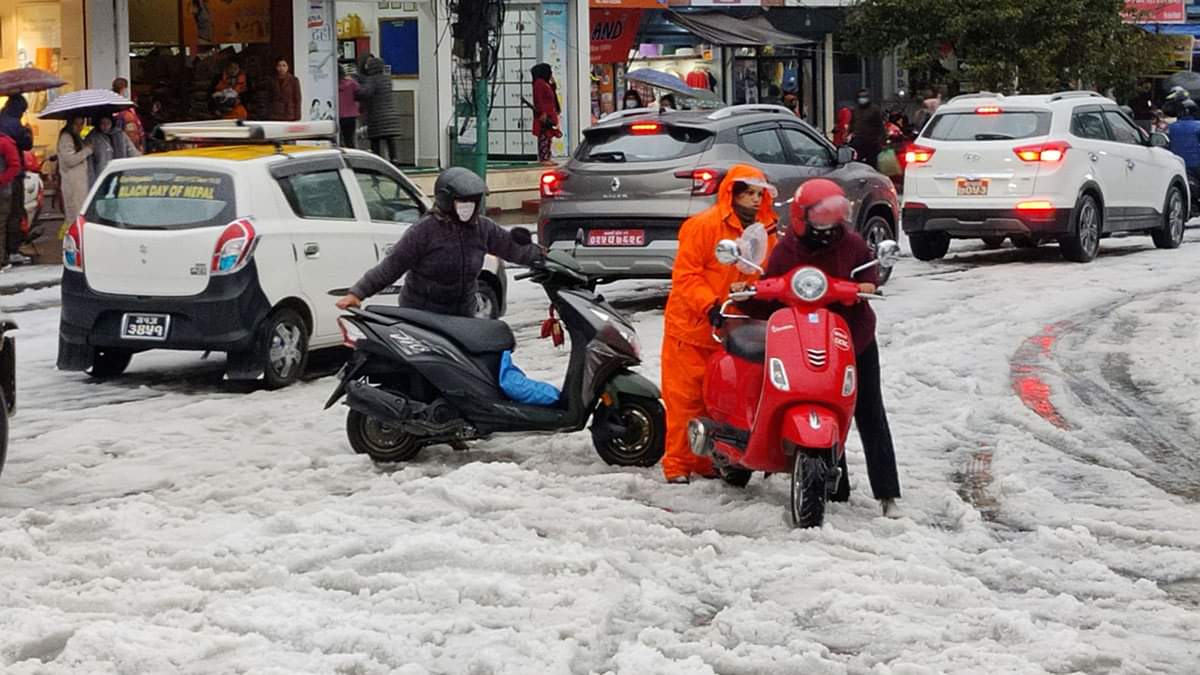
(458, 184)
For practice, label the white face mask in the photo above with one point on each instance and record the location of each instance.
(465, 210)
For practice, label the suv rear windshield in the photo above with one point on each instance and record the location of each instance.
(1003, 126)
(620, 145)
(163, 199)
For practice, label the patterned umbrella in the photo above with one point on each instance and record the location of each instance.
(22, 80)
(89, 102)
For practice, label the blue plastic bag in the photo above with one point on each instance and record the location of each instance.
(520, 388)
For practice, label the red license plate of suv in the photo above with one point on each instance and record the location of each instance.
(616, 238)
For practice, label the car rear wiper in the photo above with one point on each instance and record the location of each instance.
(994, 137)
(611, 156)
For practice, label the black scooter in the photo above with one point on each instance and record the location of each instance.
(417, 378)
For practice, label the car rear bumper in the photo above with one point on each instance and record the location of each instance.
(655, 260)
(969, 223)
(223, 317)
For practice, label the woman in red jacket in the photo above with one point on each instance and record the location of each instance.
(546, 109)
(819, 238)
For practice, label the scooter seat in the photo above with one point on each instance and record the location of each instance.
(748, 341)
(477, 336)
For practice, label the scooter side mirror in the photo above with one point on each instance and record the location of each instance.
(887, 253)
(728, 252)
(580, 238)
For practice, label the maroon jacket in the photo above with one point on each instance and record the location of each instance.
(836, 261)
(285, 98)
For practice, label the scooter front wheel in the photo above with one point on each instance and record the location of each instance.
(809, 473)
(633, 433)
(382, 442)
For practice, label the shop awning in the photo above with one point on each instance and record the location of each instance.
(722, 29)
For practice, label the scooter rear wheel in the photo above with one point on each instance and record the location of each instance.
(807, 507)
(632, 434)
(379, 441)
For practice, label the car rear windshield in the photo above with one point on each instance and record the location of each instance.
(623, 145)
(163, 199)
(1002, 126)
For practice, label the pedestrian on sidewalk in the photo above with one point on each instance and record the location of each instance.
(14, 194)
(74, 167)
(384, 124)
(546, 110)
(285, 93)
(10, 167)
(347, 108)
(128, 120)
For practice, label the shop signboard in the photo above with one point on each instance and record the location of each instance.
(319, 79)
(614, 32)
(1156, 11)
(554, 52)
(628, 4)
(726, 3)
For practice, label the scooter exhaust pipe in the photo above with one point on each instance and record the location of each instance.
(378, 404)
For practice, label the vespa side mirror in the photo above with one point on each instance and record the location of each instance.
(727, 252)
(887, 253)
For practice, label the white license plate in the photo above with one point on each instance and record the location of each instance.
(616, 238)
(145, 326)
(972, 188)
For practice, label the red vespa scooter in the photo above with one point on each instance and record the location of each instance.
(781, 394)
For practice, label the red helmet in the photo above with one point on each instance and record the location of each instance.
(820, 203)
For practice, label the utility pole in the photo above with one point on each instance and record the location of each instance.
(482, 103)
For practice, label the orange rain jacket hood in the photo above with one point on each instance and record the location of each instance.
(698, 280)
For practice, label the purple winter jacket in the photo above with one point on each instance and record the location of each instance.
(442, 259)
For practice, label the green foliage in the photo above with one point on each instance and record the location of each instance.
(1031, 46)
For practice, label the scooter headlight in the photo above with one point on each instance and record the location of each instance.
(634, 343)
(810, 284)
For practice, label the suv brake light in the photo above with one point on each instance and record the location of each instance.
(551, 184)
(918, 154)
(644, 128)
(1051, 152)
(73, 246)
(988, 110)
(704, 181)
(234, 247)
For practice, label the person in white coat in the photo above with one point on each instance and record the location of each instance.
(74, 167)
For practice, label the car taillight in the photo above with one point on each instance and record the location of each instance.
(234, 248)
(988, 110)
(704, 181)
(645, 128)
(918, 154)
(1049, 153)
(73, 246)
(1035, 205)
(551, 184)
(351, 333)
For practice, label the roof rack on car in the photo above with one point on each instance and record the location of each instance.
(978, 94)
(629, 112)
(722, 113)
(1074, 94)
(244, 131)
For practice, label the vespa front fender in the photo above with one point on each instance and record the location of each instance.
(810, 426)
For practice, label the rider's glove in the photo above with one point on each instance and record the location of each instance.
(714, 315)
(521, 236)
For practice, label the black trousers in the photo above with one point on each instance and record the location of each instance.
(14, 194)
(392, 143)
(348, 125)
(871, 419)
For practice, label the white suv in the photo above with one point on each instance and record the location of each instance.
(241, 249)
(1071, 167)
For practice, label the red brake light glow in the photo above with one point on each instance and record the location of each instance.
(918, 154)
(704, 181)
(234, 248)
(988, 110)
(644, 128)
(551, 184)
(73, 246)
(1050, 153)
(1036, 205)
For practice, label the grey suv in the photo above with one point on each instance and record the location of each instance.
(639, 174)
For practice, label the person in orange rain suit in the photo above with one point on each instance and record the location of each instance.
(699, 284)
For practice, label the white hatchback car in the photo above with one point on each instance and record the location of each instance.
(1071, 167)
(241, 249)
